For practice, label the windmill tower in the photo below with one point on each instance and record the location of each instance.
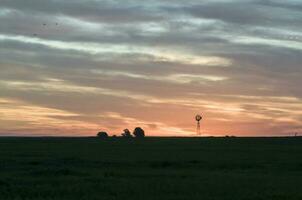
(198, 118)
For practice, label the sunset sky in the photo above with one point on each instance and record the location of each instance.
(76, 67)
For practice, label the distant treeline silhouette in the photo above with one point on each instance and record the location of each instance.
(137, 133)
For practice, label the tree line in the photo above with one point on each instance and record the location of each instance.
(138, 132)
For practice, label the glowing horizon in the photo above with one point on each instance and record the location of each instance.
(73, 69)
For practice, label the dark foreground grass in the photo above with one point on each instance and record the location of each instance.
(151, 169)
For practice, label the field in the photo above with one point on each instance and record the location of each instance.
(151, 168)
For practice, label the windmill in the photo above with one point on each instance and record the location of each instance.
(198, 118)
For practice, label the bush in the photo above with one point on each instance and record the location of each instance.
(126, 133)
(102, 134)
(139, 132)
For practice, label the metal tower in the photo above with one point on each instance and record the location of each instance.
(198, 118)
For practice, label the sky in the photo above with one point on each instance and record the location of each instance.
(73, 68)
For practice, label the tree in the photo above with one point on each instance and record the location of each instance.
(126, 133)
(139, 132)
(102, 134)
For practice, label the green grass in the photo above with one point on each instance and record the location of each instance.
(151, 169)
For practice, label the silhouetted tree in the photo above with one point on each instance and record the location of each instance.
(102, 134)
(139, 132)
(126, 133)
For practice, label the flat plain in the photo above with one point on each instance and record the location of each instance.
(151, 168)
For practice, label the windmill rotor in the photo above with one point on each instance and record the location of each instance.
(198, 118)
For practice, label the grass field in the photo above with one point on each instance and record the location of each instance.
(151, 169)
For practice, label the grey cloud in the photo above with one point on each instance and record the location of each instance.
(90, 10)
(246, 13)
(294, 5)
